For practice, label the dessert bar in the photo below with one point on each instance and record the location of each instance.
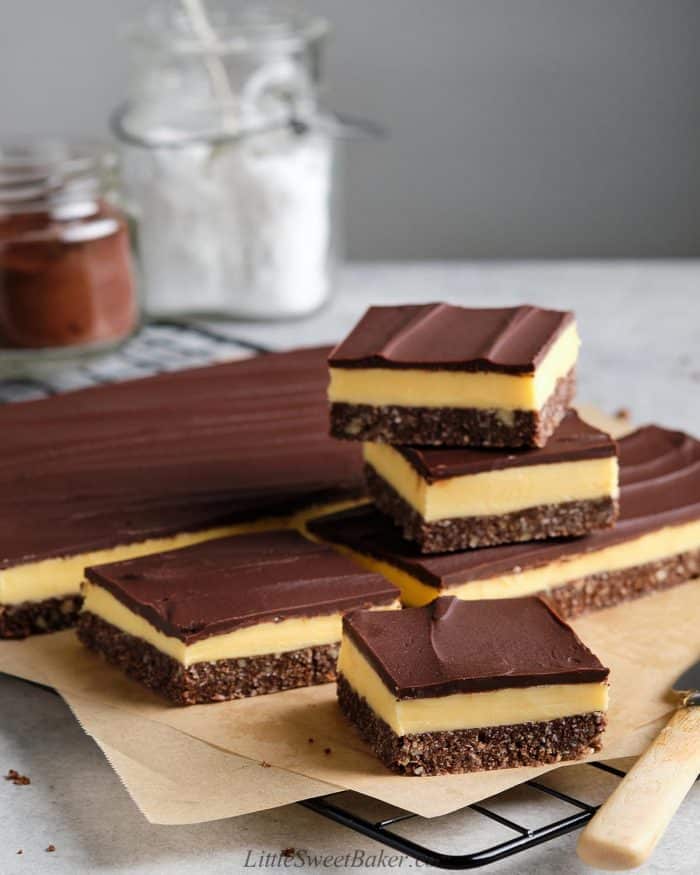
(123, 470)
(654, 545)
(435, 374)
(454, 499)
(228, 618)
(460, 686)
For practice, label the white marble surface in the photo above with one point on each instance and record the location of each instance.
(640, 325)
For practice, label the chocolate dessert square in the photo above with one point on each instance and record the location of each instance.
(458, 499)
(460, 686)
(654, 545)
(228, 618)
(435, 374)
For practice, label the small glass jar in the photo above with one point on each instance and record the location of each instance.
(228, 165)
(66, 283)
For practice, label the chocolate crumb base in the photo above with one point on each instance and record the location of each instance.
(609, 588)
(207, 681)
(453, 426)
(568, 519)
(35, 618)
(473, 750)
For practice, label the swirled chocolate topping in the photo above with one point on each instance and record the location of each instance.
(453, 646)
(177, 452)
(659, 486)
(228, 583)
(512, 340)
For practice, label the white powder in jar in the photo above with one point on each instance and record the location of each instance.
(242, 227)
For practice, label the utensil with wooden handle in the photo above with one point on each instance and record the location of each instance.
(627, 828)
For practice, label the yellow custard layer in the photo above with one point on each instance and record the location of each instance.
(491, 493)
(661, 544)
(292, 633)
(467, 710)
(480, 389)
(61, 576)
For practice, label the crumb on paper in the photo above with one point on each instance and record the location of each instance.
(623, 413)
(50, 849)
(20, 780)
(265, 764)
(287, 852)
(327, 751)
(20, 851)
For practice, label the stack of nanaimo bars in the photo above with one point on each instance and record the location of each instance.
(469, 437)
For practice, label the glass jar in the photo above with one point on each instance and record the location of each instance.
(66, 282)
(228, 166)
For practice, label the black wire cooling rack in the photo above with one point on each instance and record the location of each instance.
(167, 346)
(524, 838)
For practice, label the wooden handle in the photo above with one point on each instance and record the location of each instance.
(628, 826)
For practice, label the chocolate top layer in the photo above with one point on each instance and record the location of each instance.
(659, 486)
(512, 340)
(454, 646)
(573, 441)
(172, 453)
(228, 583)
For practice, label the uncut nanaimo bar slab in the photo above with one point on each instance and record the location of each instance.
(654, 545)
(228, 618)
(117, 471)
(455, 499)
(464, 686)
(435, 374)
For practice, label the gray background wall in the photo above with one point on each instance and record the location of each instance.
(519, 128)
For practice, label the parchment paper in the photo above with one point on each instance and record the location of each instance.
(176, 779)
(177, 762)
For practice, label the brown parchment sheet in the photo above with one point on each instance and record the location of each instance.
(176, 779)
(177, 762)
